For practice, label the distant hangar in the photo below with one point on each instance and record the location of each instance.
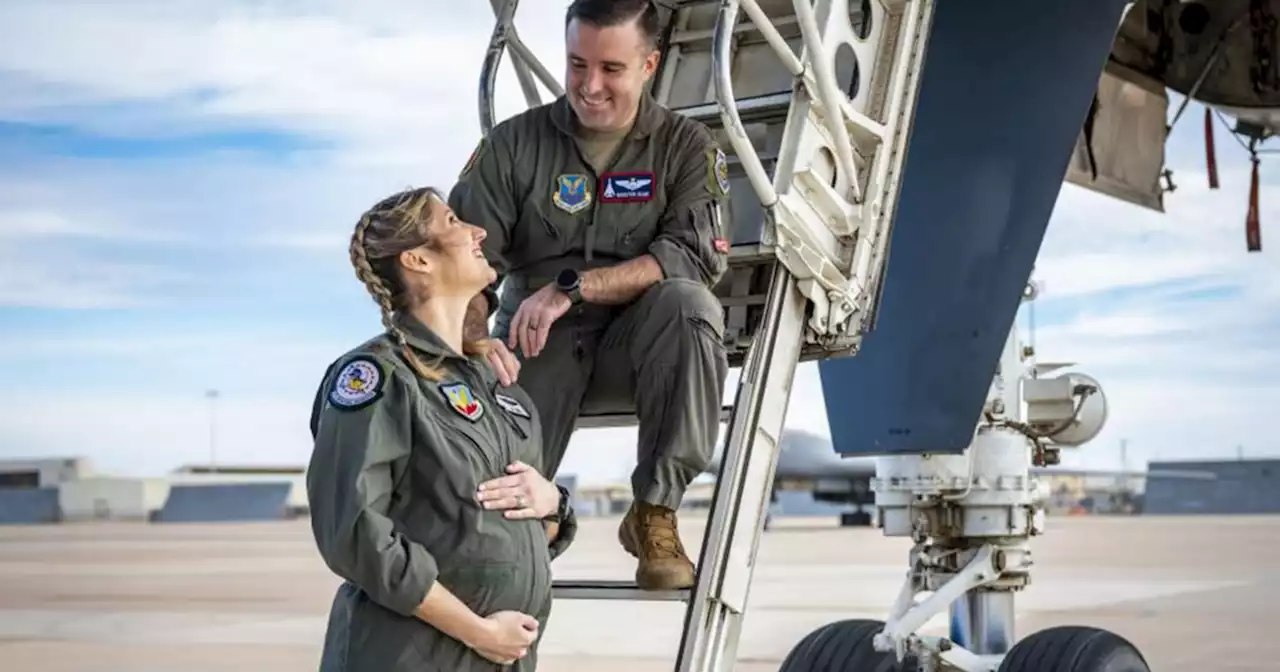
(54, 490)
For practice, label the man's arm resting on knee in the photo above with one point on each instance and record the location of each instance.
(620, 283)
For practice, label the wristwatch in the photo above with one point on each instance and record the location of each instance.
(569, 281)
(562, 511)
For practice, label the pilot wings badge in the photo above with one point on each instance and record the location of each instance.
(626, 187)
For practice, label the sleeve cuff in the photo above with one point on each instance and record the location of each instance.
(412, 588)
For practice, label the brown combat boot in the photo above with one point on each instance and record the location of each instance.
(649, 533)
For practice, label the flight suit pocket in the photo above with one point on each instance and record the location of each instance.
(481, 450)
(487, 587)
(549, 231)
(632, 226)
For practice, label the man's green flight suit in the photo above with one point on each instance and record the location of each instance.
(392, 486)
(554, 196)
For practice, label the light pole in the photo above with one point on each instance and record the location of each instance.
(212, 396)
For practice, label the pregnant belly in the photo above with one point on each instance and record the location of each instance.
(517, 579)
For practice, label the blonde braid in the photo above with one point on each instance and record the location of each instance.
(382, 296)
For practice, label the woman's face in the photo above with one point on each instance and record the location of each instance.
(457, 261)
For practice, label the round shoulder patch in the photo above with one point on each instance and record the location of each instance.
(358, 384)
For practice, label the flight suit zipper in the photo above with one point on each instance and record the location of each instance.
(533, 531)
(590, 236)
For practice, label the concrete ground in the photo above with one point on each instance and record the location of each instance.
(1193, 593)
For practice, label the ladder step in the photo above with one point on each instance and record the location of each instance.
(766, 107)
(589, 420)
(613, 590)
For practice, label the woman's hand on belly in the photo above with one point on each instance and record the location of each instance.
(506, 637)
(523, 494)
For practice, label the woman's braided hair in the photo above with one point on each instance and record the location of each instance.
(398, 223)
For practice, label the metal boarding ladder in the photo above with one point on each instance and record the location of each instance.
(817, 135)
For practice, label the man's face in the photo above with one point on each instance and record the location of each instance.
(607, 69)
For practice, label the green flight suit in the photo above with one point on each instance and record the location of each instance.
(392, 488)
(548, 205)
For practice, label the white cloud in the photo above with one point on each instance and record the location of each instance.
(68, 280)
(393, 74)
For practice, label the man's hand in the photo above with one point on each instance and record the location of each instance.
(503, 362)
(523, 494)
(533, 319)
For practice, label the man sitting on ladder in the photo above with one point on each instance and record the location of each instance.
(603, 217)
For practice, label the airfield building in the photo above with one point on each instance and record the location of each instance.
(1242, 487)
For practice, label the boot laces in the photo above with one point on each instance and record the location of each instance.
(660, 536)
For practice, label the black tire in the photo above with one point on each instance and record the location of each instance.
(855, 519)
(844, 646)
(1074, 648)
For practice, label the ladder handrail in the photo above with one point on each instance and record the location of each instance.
(721, 65)
(828, 92)
(524, 61)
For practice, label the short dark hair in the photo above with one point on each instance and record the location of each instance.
(607, 13)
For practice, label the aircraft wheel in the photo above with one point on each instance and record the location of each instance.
(1073, 648)
(844, 645)
(855, 519)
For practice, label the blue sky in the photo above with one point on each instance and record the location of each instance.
(178, 182)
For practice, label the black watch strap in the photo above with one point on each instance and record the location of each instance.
(562, 511)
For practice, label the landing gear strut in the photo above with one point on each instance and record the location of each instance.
(972, 517)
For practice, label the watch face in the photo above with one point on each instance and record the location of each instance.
(568, 279)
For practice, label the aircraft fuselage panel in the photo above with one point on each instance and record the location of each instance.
(1005, 92)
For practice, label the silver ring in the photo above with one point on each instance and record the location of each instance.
(519, 501)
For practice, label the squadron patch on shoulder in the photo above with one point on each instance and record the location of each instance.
(626, 187)
(718, 169)
(510, 405)
(463, 400)
(357, 385)
(572, 194)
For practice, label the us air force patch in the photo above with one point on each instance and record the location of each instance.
(626, 187)
(357, 385)
(572, 194)
(510, 405)
(462, 400)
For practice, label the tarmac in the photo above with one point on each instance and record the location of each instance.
(1193, 593)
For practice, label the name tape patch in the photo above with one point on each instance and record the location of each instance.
(626, 187)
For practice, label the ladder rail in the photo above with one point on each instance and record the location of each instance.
(746, 474)
(523, 60)
(828, 93)
(527, 84)
(721, 66)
